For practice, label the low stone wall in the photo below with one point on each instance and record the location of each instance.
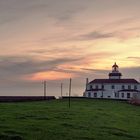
(25, 98)
(75, 97)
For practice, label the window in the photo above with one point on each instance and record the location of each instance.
(89, 94)
(95, 95)
(113, 87)
(128, 95)
(123, 87)
(135, 87)
(129, 87)
(122, 95)
(116, 94)
(96, 86)
(90, 86)
(102, 86)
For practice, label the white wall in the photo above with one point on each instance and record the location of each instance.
(109, 92)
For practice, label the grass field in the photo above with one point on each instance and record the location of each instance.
(85, 120)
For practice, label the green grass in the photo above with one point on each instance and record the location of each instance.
(85, 120)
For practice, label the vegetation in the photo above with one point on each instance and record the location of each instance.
(85, 120)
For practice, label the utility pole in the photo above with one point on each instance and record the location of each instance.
(45, 83)
(61, 90)
(69, 91)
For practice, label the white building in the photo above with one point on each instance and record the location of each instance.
(115, 87)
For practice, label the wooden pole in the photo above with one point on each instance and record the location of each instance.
(61, 90)
(69, 92)
(45, 90)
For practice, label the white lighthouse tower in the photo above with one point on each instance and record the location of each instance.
(115, 74)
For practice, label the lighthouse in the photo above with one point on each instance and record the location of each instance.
(115, 74)
(114, 87)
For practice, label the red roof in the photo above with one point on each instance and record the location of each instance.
(127, 81)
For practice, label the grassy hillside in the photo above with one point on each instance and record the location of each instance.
(85, 120)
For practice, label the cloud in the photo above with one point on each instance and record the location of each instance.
(121, 34)
(134, 58)
(132, 28)
(96, 35)
(124, 22)
(15, 10)
(14, 68)
(50, 75)
(127, 72)
(131, 72)
(95, 70)
(62, 37)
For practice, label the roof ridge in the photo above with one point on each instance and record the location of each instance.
(114, 81)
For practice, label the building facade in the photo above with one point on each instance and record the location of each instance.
(114, 87)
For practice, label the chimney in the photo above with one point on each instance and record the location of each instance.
(86, 83)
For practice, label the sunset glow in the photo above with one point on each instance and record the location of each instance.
(52, 75)
(54, 40)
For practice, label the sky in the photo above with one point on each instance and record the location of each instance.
(55, 40)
